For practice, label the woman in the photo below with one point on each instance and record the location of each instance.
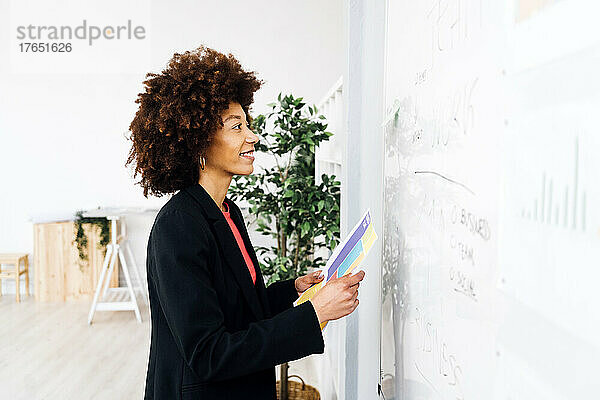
(217, 331)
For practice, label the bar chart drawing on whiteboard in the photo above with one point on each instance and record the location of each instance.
(561, 206)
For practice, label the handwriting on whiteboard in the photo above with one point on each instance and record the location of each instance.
(463, 283)
(463, 234)
(453, 22)
(464, 250)
(436, 363)
(425, 124)
(474, 224)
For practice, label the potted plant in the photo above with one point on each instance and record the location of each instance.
(301, 216)
(81, 239)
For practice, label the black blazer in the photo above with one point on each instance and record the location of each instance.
(215, 335)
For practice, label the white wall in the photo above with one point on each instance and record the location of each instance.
(62, 145)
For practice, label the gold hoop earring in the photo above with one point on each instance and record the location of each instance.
(202, 161)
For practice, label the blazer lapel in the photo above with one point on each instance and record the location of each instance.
(229, 248)
(237, 217)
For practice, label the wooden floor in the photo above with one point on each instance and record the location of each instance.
(48, 351)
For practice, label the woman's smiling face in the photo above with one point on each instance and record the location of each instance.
(232, 148)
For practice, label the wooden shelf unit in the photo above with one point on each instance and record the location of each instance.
(57, 272)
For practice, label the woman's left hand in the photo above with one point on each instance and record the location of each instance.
(304, 282)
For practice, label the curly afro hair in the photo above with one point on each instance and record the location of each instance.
(179, 113)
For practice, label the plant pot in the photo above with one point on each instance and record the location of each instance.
(300, 391)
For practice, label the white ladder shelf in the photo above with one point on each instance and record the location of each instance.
(118, 248)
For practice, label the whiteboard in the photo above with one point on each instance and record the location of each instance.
(491, 242)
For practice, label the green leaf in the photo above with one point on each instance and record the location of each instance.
(320, 205)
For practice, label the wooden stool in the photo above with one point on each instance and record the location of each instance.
(15, 259)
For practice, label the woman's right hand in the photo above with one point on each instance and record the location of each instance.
(338, 297)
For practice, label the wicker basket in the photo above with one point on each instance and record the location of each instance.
(300, 391)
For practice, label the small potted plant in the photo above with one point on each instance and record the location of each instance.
(81, 239)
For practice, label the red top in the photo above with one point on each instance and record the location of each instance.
(240, 242)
